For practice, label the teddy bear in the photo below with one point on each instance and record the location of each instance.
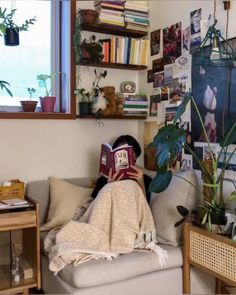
(109, 94)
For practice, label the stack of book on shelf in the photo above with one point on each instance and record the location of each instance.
(126, 50)
(110, 12)
(136, 15)
(135, 105)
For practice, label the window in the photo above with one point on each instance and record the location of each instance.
(44, 49)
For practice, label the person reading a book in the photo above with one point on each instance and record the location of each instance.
(136, 174)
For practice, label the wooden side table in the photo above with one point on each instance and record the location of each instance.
(212, 253)
(20, 226)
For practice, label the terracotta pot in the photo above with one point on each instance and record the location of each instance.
(11, 37)
(87, 16)
(47, 104)
(28, 105)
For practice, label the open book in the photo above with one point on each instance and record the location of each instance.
(118, 159)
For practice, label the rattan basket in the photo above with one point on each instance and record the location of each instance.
(16, 190)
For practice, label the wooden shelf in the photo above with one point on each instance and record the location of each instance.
(113, 30)
(113, 117)
(114, 66)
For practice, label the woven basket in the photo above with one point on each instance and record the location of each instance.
(16, 190)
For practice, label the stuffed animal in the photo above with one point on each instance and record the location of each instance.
(99, 102)
(109, 94)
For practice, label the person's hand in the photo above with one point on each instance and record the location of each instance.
(137, 174)
(114, 177)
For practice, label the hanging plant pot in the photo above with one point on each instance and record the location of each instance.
(11, 37)
(85, 108)
(28, 105)
(47, 104)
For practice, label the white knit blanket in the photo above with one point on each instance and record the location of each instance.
(118, 221)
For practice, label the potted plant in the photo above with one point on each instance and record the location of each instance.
(47, 102)
(29, 105)
(84, 101)
(5, 86)
(170, 141)
(87, 16)
(91, 51)
(10, 29)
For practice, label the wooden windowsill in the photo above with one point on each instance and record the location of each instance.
(36, 115)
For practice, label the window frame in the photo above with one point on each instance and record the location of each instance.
(63, 102)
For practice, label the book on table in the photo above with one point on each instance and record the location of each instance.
(119, 159)
(13, 203)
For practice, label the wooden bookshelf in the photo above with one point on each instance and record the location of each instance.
(113, 117)
(112, 30)
(114, 66)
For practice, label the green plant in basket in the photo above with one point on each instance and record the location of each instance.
(169, 143)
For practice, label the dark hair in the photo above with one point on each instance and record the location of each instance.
(130, 140)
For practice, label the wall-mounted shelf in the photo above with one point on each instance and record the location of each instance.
(113, 30)
(114, 66)
(113, 117)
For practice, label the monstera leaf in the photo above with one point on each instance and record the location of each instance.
(161, 181)
(182, 107)
(169, 143)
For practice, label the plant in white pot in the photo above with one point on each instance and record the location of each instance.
(10, 29)
(47, 102)
(29, 105)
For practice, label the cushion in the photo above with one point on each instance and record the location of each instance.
(65, 198)
(123, 267)
(163, 206)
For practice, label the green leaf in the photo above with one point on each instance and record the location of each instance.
(160, 182)
(232, 196)
(182, 107)
(169, 143)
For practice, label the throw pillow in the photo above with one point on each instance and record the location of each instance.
(65, 198)
(163, 206)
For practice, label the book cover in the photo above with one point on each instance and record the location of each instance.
(118, 159)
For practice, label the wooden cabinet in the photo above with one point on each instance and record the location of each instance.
(19, 228)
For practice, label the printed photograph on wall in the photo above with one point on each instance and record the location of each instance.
(157, 65)
(170, 114)
(172, 43)
(155, 42)
(186, 39)
(213, 89)
(177, 91)
(168, 74)
(195, 21)
(158, 79)
(164, 93)
(150, 76)
(154, 100)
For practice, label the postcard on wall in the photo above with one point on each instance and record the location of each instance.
(170, 114)
(177, 91)
(155, 42)
(164, 93)
(154, 100)
(150, 76)
(195, 21)
(168, 74)
(172, 43)
(183, 124)
(232, 161)
(158, 79)
(186, 39)
(157, 65)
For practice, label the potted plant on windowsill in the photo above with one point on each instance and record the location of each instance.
(29, 105)
(84, 101)
(47, 102)
(170, 141)
(10, 29)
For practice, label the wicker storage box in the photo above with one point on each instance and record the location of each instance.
(16, 190)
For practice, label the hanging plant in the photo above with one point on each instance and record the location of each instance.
(9, 29)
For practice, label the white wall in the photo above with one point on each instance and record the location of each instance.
(36, 149)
